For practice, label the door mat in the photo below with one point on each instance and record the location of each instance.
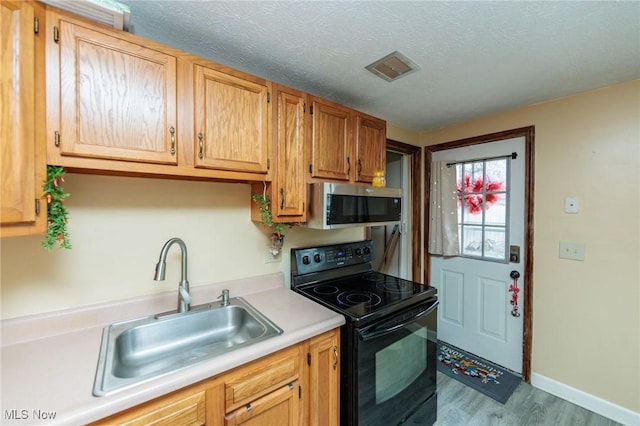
(477, 373)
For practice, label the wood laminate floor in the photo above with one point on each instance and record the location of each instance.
(460, 405)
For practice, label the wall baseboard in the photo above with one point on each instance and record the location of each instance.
(592, 403)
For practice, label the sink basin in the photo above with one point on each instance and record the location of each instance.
(145, 348)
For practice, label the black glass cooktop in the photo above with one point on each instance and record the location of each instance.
(369, 294)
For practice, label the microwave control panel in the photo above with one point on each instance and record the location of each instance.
(319, 259)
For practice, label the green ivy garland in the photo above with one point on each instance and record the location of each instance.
(57, 212)
(266, 217)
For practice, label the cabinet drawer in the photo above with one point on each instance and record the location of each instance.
(262, 377)
(279, 407)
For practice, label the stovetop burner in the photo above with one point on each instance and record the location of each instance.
(373, 276)
(325, 289)
(357, 297)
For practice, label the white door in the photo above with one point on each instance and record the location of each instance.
(476, 313)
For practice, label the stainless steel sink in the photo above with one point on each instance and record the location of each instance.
(145, 348)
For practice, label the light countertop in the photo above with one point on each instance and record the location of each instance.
(48, 362)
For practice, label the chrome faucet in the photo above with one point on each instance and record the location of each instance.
(184, 298)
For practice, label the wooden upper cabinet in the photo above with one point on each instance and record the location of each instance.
(345, 144)
(231, 121)
(117, 97)
(370, 147)
(331, 146)
(289, 185)
(22, 161)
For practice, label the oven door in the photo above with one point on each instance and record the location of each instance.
(397, 365)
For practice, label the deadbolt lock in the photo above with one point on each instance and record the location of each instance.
(514, 254)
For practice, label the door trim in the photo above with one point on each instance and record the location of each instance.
(529, 135)
(416, 172)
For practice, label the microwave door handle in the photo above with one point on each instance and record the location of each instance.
(365, 335)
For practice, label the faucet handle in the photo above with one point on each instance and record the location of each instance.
(185, 295)
(225, 297)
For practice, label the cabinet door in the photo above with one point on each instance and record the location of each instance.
(231, 116)
(289, 186)
(117, 98)
(330, 140)
(185, 408)
(370, 145)
(324, 379)
(21, 155)
(280, 407)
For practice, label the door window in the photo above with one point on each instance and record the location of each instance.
(483, 209)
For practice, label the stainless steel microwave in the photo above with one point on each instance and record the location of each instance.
(336, 205)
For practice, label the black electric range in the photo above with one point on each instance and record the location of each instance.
(389, 340)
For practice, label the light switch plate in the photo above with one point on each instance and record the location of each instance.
(571, 250)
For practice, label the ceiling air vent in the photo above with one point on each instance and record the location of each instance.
(108, 12)
(393, 66)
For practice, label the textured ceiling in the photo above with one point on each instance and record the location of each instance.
(476, 58)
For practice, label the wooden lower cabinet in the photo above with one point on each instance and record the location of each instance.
(296, 386)
(323, 362)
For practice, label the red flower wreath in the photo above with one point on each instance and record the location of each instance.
(473, 190)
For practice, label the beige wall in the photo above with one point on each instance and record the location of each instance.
(400, 134)
(118, 226)
(586, 315)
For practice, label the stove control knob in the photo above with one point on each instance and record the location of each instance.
(306, 260)
(317, 258)
(358, 252)
(367, 250)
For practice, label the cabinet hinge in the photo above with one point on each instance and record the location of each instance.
(311, 110)
(268, 97)
(308, 358)
(310, 168)
(56, 34)
(36, 25)
(56, 138)
(37, 207)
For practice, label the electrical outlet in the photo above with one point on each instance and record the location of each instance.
(571, 250)
(270, 258)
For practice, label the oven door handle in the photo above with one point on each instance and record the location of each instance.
(366, 335)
